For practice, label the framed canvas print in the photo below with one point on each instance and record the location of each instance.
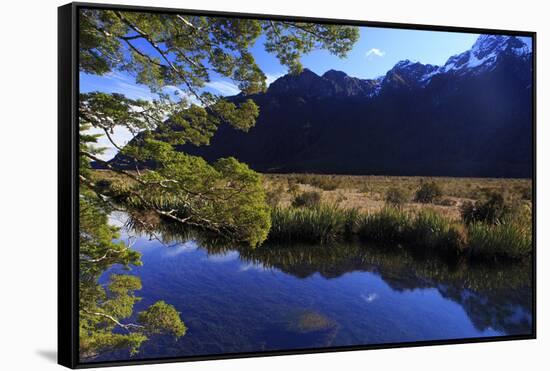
(235, 185)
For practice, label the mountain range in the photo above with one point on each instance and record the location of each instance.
(470, 117)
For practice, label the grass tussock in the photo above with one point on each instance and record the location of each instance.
(434, 232)
(387, 226)
(499, 241)
(321, 224)
(308, 199)
(425, 230)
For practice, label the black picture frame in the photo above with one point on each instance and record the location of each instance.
(68, 90)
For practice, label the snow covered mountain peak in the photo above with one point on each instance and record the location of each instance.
(483, 55)
(486, 53)
(486, 44)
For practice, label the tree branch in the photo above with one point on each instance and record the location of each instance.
(127, 327)
(163, 55)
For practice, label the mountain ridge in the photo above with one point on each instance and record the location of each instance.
(470, 117)
(483, 54)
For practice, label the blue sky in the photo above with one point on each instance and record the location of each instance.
(376, 52)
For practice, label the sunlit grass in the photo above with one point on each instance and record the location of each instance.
(502, 240)
(320, 224)
(425, 231)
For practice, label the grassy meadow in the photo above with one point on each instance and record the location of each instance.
(479, 218)
(368, 193)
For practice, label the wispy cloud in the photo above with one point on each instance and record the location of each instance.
(375, 52)
(224, 87)
(127, 85)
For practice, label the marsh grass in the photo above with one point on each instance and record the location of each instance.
(499, 241)
(388, 226)
(346, 212)
(321, 224)
(431, 231)
(425, 231)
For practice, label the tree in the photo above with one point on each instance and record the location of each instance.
(185, 50)
(102, 310)
(226, 197)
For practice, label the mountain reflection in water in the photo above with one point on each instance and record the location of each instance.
(235, 299)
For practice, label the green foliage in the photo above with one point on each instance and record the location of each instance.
(98, 248)
(396, 197)
(185, 45)
(428, 192)
(181, 50)
(307, 199)
(322, 224)
(161, 318)
(426, 230)
(508, 241)
(288, 40)
(493, 210)
(184, 125)
(101, 310)
(92, 343)
(421, 229)
(387, 226)
(431, 231)
(226, 197)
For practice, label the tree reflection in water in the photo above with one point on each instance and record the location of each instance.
(473, 285)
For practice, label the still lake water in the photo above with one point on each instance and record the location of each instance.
(299, 297)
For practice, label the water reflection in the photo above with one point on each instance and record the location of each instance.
(234, 299)
(496, 296)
